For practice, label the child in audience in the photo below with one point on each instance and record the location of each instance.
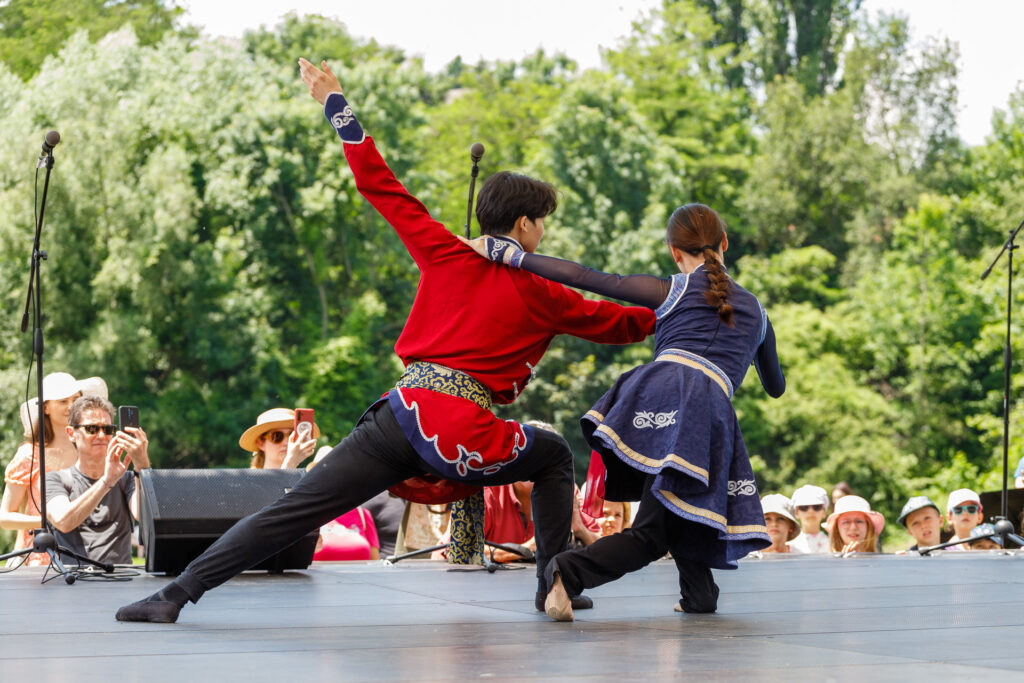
(963, 509)
(922, 519)
(976, 542)
(854, 526)
(810, 505)
(782, 525)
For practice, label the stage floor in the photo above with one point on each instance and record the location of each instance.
(861, 618)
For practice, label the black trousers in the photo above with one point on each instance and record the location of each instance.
(655, 531)
(374, 457)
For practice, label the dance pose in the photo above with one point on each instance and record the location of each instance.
(474, 335)
(667, 431)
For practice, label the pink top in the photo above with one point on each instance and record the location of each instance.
(349, 537)
(23, 470)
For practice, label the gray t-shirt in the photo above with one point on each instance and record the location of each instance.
(106, 534)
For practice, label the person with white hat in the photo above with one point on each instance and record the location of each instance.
(810, 505)
(963, 509)
(854, 526)
(782, 525)
(275, 444)
(19, 508)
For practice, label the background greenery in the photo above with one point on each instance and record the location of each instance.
(210, 258)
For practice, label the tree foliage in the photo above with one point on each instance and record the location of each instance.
(210, 257)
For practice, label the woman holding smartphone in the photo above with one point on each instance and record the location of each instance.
(275, 444)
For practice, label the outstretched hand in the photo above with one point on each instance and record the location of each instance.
(320, 83)
(477, 244)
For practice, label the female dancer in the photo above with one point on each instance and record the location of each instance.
(667, 431)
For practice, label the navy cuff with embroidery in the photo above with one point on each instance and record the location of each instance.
(504, 251)
(339, 113)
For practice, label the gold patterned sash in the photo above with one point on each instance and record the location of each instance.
(444, 380)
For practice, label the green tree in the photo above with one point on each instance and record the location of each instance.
(31, 30)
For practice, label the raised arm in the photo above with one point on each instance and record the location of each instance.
(645, 290)
(421, 234)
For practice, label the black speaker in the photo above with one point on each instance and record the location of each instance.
(182, 512)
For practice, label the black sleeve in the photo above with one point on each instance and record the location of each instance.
(643, 290)
(767, 364)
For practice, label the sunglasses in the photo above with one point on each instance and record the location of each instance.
(93, 430)
(805, 508)
(277, 436)
(969, 509)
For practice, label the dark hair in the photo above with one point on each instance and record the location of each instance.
(506, 196)
(84, 403)
(697, 229)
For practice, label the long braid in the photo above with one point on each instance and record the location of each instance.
(717, 293)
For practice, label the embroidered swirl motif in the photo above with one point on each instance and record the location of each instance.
(742, 487)
(343, 117)
(444, 380)
(646, 419)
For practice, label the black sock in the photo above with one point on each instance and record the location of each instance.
(172, 592)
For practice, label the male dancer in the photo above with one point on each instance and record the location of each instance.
(474, 335)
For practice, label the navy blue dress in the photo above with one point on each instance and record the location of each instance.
(673, 418)
(669, 425)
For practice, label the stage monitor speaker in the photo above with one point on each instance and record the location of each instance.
(182, 512)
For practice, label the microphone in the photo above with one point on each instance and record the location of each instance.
(51, 140)
(476, 152)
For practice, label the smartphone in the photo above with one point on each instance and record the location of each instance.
(127, 416)
(304, 422)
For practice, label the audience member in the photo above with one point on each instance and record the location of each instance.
(19, 508)
(923, 520)
(963, 509)
(585, 528)
(977, 542)
(274, 443)
(810, 505)
(1018, 475)
(782, 525)
(387, 512)
(615, 517)
(507, 518)
(839, 490)
(92, 503)
(854, 526)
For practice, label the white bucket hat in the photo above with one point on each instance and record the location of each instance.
(961, 496)
(57, 386)
(780, 505)
(809, 494)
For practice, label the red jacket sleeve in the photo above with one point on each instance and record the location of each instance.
(568, 312)
(420, 233)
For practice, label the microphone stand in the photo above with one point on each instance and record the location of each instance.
(43, 539)
(1002, 523)
(476, 152)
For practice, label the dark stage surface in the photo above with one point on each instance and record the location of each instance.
(957, 615)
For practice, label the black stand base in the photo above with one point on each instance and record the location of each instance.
(45, 542)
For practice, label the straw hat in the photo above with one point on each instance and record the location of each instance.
(780, 505)
(268, 421)
(57, 386)
(851, 503)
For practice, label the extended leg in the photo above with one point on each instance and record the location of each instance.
(372, 458)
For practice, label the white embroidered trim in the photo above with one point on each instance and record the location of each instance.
(743, 487)
(645, 419)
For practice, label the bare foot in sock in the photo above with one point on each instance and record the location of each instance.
(558, 605)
